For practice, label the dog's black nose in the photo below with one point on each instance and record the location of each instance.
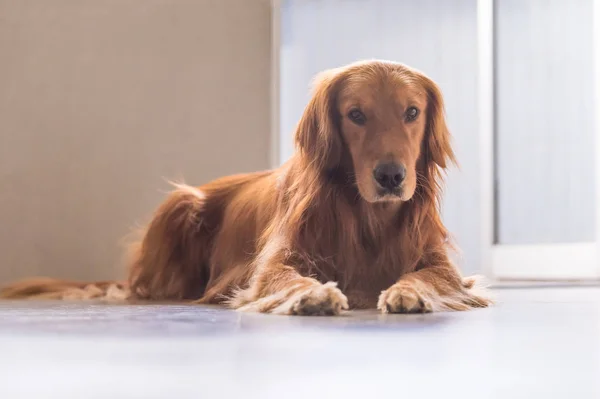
(389, 175)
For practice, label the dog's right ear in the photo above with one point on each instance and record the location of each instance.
(317, 135)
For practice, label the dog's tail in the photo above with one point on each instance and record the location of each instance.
(49, 288)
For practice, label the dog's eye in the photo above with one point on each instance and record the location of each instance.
(357, 117)
(411, 114)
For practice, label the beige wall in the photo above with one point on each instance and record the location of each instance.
(101, 101)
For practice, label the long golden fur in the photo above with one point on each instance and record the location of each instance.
(327, 231)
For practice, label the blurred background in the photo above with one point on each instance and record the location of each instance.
(102, 101)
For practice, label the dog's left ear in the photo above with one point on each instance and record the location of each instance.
(438, 148)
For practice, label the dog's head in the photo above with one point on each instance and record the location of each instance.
(382, 122)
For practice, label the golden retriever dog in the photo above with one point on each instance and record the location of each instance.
(350, 221)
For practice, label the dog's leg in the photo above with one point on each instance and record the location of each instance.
(167, 263)
(279, 289)
(431, 289)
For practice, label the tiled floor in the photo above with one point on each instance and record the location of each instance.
(536, 343)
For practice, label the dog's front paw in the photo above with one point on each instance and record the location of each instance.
(404, 297)
(319, 300)
(308, 299)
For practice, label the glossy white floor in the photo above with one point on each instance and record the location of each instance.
(536, 343)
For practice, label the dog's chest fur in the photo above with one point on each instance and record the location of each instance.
(357, 246)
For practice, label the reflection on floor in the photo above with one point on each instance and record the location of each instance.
(535, 343)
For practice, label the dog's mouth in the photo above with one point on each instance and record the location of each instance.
(388, 195)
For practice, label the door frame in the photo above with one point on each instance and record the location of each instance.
(561, 261)
(275, 97)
